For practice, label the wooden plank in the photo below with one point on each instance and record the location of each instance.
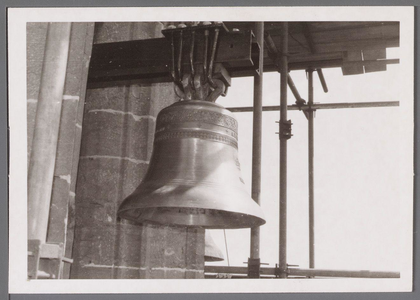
(334, 26)
(354, 34)
(374, 55)
(334, 35)
(300, 48)
(351, 56)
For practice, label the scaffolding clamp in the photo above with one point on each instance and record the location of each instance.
(254, 270)
(279, 272)
(285, 129)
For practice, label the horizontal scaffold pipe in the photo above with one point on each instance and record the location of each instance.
(320, 106)
(305, 272)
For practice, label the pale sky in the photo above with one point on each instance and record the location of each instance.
(357, 193)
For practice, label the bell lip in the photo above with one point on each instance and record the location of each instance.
(257, 221)
(208, 258)
(218, 202)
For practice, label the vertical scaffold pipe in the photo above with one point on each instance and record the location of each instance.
(47, 123)
(311, 168)
(254, 261)
(283, 152)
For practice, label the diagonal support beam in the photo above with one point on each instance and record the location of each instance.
(308, 37)
(273, 54)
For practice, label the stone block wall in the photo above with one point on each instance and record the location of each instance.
(117, 140)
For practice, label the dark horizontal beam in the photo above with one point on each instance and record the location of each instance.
(266, 271)
(320, 106)
(149, 61)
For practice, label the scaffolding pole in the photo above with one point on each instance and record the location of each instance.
(254, 260)
(283, 152)
(311, 169)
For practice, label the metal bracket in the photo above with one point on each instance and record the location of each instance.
(202, 81)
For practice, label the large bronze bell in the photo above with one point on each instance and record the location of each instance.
(193, 177)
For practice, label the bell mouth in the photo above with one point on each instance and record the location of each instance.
(205, 204)
(191, 217)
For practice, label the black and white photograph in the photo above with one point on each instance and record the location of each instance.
(211, 150)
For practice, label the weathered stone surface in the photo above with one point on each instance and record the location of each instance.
(31, 113)
(95, 245)
(176, 248)
(147, 30)
(113, 98)
(163, 95)
(135, 99)
(68, 249)
(77, 41)
(99, 179)
(36, 32)
(195, 247)
(115, 133)
(35, 51)
(72, 86)
(66, 138)
(112, 32)
(118, 129)
(87, 272)
(128, 241)
(95, 214)
(33, 78)
(58, 210)
(126, 273)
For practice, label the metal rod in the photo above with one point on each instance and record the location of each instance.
(192, 54)
(311, 169)
(266, 271)
(273, 52)
(205, 53)
(343, 273)
(47, 123)
(179, 62)
(321, 106)
(293, 88)
(283, 151)
(322, 80)
(212, 56)
(256, 138)
(308, 37)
